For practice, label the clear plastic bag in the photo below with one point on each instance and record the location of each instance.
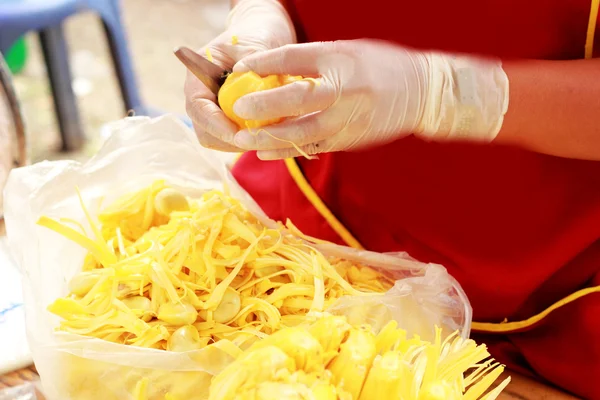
(139, 151)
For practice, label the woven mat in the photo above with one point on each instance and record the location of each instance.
(19, 378)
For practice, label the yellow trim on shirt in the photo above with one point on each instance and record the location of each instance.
(319, 205)
(507, 327)
(591, 30)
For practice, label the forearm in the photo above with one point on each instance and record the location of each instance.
(554, 108)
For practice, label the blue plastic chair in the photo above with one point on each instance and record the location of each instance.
(18, 17)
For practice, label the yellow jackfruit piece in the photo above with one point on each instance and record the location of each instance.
(453, 369)
(388, 337)
(141, 306)
(385, 377)
(351, 366)
(177, 313)
(324, 391)
(228, 308)
(239, 84)
(330, 332)
(186, 338)
(300, 345)
(281, 391)
(259, 365)
(169, 200)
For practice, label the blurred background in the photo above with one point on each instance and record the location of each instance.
(154, 28)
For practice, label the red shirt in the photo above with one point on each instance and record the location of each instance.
(519, 230)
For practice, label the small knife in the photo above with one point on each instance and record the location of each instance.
(209, 73)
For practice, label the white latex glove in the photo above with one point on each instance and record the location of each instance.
(258, 25)
(370, 93)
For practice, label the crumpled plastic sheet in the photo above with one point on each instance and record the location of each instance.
(23, 392)
(139, 151)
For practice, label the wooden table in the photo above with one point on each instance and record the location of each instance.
(524, 388)
(521, 388)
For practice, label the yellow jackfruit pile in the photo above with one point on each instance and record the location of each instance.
(170, 272)
(244, 301)
(332, 360)
(239, 84)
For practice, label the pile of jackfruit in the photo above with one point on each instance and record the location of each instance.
(172, 273)
(169, 272)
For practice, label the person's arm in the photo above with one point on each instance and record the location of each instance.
(550, 107)
(554, 107)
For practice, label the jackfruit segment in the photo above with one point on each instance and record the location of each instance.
(366, 366)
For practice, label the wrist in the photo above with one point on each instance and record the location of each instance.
(466, 98)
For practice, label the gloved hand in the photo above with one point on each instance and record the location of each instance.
(257, 25)
(369, 93)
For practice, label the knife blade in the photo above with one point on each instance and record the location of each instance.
(209, 73)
